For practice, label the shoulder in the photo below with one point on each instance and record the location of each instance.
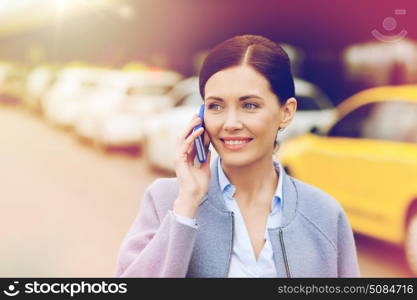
(163, 186)
(320, 210)
(313, 198)
(162, 192)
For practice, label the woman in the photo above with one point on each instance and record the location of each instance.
(241, 216)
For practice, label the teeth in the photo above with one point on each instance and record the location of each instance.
(235, 142)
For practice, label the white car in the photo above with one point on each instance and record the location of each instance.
(314, 110)
(63, 101)
(38, 81)
(186, 92)
(162, 130)
(145, 96)
(162, 133)
(110, 92)
(12, 78)
(4, 69)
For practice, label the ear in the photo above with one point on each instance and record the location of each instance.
(287, 112)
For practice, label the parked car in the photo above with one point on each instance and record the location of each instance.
(162, 133)
(12, 78)
(186, 92)
(367, 160)
(110, 91)
(63, 101)
(162, 130)
(38, 81)
(145, 97)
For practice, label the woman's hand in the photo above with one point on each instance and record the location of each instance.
(193, 182)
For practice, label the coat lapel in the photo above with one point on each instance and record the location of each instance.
(213, 248)
(277, 235)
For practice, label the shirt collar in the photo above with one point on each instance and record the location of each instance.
(227, 187)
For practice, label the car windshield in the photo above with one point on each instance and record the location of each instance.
(390, 120)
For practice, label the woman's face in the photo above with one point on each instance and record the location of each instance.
(242, 115)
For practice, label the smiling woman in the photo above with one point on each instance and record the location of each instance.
(269, 65)
(243, 216)
(244, 109)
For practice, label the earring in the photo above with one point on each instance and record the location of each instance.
(281, 129)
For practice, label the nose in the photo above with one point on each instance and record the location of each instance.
(232, 121)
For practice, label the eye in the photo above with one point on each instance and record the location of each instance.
(250, 105)
(214, 106)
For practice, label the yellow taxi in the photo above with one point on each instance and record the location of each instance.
(367, 160)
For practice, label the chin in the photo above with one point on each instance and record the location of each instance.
(238, 159)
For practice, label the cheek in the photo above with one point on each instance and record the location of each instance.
(261, 125)
(211, 125)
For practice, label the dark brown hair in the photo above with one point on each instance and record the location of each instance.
(262, 54)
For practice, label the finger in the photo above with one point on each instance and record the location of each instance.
(184, 151)
(187, 131)
(191, 151)
(191, 155)
(189, 141)
(193, 123)
(206, 165)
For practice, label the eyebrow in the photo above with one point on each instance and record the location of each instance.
(243, 98)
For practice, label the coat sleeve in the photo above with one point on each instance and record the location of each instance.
(347, 258)
(154, 248)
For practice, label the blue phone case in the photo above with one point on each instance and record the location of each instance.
(199, 141)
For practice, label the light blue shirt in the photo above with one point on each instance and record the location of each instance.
(243, 262)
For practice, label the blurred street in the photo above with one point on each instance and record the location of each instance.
(65, 207)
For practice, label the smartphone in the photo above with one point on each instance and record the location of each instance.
(199, 141)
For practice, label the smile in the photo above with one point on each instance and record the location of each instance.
(235, 144)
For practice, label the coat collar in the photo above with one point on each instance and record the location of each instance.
(213, 247)
(289, 194)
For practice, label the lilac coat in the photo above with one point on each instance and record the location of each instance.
(314, 239)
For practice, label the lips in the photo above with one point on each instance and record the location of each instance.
(235, 143)
(236, 138)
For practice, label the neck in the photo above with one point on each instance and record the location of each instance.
(257, 178)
